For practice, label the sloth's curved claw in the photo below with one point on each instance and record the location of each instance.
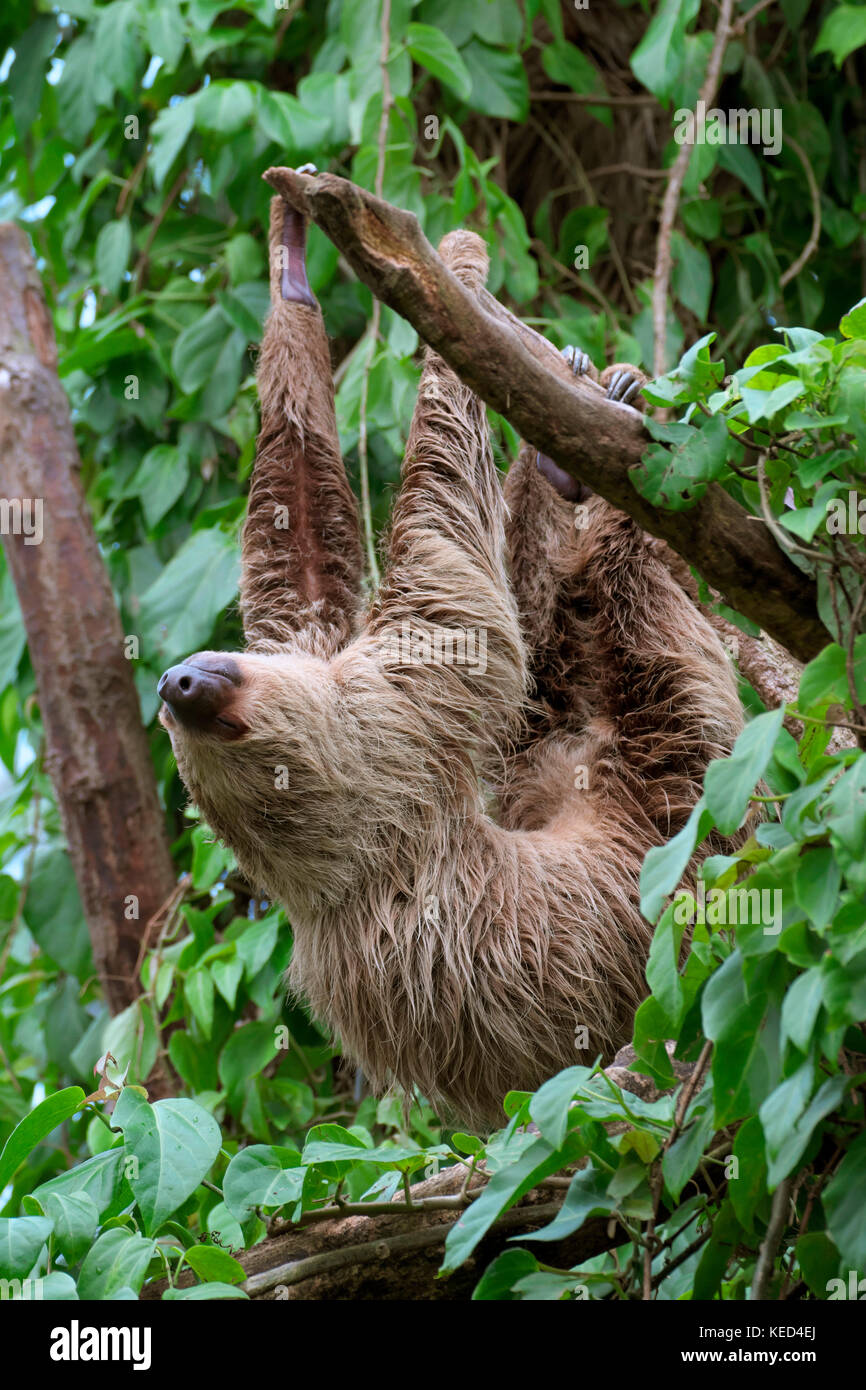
(624, 386)
(565, 485)
(578, 361)
(294, 286)
(306, 169)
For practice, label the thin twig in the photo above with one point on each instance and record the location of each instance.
(585, 99)
(783, 538)
(671, 201)
(363, 457)
(770, 1243)
(683, 1101)
(746, 19)
(814, 236)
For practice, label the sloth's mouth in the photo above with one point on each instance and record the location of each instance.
(235, 727)
(201, 695)
(224, 726)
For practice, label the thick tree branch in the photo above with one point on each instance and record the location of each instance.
(395, 1254)
(96, 748)
(521, 375)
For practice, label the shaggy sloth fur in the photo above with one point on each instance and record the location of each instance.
(458, 848)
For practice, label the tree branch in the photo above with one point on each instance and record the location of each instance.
(96, 748)
(522, 376)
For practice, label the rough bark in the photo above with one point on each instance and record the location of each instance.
(521, 376)
(96, 749)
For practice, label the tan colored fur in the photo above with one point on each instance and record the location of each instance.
(459, 907)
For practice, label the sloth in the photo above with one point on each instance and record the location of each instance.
(452, 789)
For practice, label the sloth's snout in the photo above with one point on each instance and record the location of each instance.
(198, 696)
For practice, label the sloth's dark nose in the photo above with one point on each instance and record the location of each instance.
(194, 695)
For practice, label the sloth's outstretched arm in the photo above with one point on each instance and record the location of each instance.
(445, 613)
(301, 545)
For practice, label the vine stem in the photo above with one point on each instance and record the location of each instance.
(363, 457)
(671, 201)
(770, 1243)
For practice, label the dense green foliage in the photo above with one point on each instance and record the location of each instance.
(132, 140)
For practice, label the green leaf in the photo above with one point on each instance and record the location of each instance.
(240, 315)
(165, 33)
(262, 1175)
(248, 1050)
(198, 988)
(35, 1127)
(749, 1188)
(499, 83)
(433, 50)
(816, 884)
(505, 1188)
(75, 1220)
(824, 678)
(587, 1196)
(212, 1263)
(27, 74)
(729, 782)
(733, 1021)
(818, 1259)
(197, 348)
(845, 816)
(658, 59)
(21, 1239)
(82, 89)
(289, 123)
(677, 478)
(664, 865)
(196, 1293)
(662, 970)
(843, 1205)
(118, 53)
(175, 1143)
(739, 161)
(790, 1135)
(692, 278)
(257, 944)
(101, 1178)
(118, 1260)
(800, 1008)
(12, 634)
(178, 611)
(58, 1288)
(160, 481)
(132, 1037)
(842, 32)
(853, 324)
(227, 975)
(565, 63)
(550, 1105)
(726, 1234)
(225, 107)
(170, 132)
(52, 911)
(498, 1280)
(210, 859)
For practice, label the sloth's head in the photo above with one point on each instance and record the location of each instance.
(256, 741)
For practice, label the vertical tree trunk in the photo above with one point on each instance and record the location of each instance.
(96, 747)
